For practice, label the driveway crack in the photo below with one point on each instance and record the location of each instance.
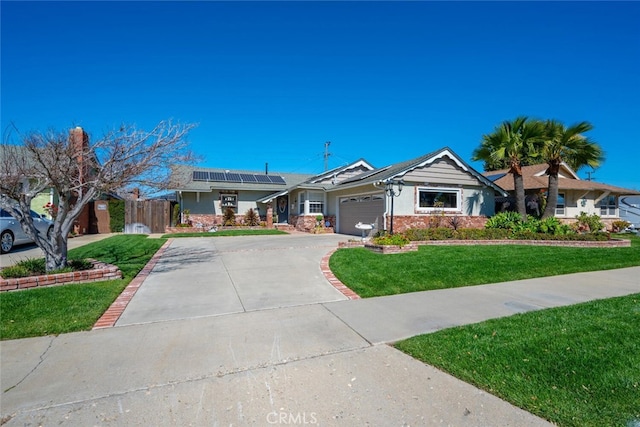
(42, 357)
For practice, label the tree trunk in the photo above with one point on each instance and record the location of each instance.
(518, 183)
(552, 197)
(56, 258)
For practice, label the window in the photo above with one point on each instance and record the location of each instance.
(560, 206)
(229, 201)
(608, 206)
(446, 199)
(316, 202)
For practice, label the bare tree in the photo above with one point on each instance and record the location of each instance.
(79, 171)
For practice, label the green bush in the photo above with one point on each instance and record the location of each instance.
(391, 239)
(116, 216)
(588, 223)
(440, 233)
(505, 220)
(37, 267)
(175, 217)
(620, 225)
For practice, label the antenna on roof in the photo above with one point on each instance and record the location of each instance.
(266, 168)
(326, 155)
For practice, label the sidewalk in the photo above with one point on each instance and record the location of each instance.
(285, 351)
(22, 252)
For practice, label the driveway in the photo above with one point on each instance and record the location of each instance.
(218, 276)
(245, 331)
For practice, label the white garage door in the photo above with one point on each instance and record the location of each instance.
(367, 209)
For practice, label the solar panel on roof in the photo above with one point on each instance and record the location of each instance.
(233, 177)
(494, 178)
(200, 176)
(217, 176)
(248, 177)
(277, 179)
(264, 179)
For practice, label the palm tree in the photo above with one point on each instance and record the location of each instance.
(511, 144)
(566, 144)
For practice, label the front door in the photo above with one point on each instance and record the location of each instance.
(282, 209)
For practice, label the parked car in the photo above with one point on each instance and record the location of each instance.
(12, 233)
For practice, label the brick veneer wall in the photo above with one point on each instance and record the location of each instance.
(307, 223)
(100, 271)
(405, 222)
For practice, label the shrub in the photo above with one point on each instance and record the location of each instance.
(116, 215)
(588, 223)
(391, 239)
(251, 218)
(505, 220)
(37, 267)
(229, 217)
(175, 217)
(619, 225)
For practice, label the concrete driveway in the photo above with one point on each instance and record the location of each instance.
(219, 276)
(245, 331)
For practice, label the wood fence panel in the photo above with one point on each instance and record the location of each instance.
(147, 216)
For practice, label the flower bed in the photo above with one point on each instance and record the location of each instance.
(100, 271)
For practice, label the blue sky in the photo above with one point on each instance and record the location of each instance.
(272, 81)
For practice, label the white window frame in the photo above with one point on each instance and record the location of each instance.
(456, 191)
(311, 202)
(561, 209)
(610, 208)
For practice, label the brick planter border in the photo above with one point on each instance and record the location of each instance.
(100, 271)
(413, 246)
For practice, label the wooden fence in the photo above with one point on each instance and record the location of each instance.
(146, 216)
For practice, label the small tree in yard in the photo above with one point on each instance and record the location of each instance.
(251, 218)
(78, 171)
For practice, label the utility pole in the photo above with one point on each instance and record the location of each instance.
(326, 155)
(589, 177)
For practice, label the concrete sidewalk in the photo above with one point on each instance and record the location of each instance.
(210, 339)
(30, 250)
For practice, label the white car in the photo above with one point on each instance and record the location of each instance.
(11, 232)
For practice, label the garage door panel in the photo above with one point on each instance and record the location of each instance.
(365, 209)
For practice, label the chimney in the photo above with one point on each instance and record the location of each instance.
(80, 145)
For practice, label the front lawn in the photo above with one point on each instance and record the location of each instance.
(437, 267)
(75, 307)
(574, 366)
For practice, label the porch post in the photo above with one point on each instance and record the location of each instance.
(269, 215)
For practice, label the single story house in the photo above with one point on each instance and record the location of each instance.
(575, 195)
(436, 187)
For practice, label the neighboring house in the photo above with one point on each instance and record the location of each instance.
(437, 186)
(575, 195)
(94, 217)
(630, 209)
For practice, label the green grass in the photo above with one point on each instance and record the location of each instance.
(221, 233)
(75, 307)
(437, 267)
(575, 366)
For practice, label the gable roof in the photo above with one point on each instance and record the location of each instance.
(399, 170)
(536, 178)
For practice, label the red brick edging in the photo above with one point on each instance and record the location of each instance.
(113, 313)
(328, 274)
(100, 271)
